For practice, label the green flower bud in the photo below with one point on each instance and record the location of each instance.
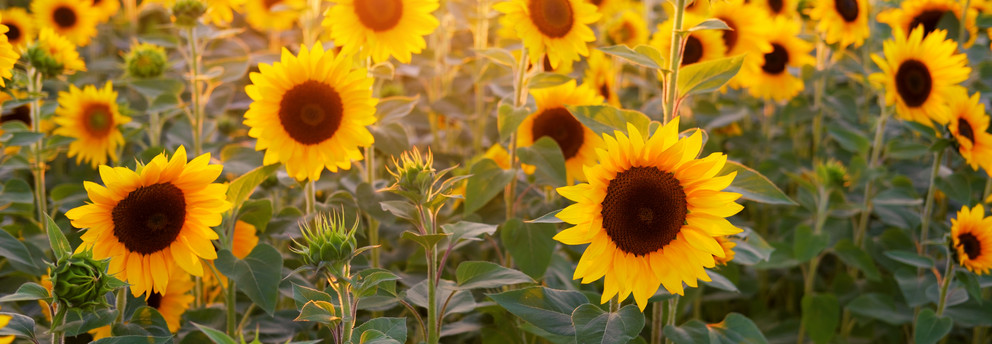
(833, 174)
(414, 176)
(45, 63)
(146, 61)
(327, 243)
(187, 12)
(81, 282)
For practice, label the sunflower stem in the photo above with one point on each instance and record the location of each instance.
(674, 61)
(673, 303)
(311, 18)
(876, 153)
(657, 313)
(928, 205)
(231, 303)
(34, 90)
(945, 285)
(58, 320)
(519, 99)
(962, 24)
(481, 40)
(343, 289)
(822, 50)
(309, 198)
(194, 71)
(121, 305)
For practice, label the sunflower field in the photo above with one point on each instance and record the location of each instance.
(495, 171)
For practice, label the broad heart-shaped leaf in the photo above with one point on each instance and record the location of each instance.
(821, 314)
(910, 258)
(593, 325)
(735, 328)
(304, 294)
(633, 56)
(718, 281)
(858, 258)
(318, 311)
(551, 217)
(530, 245)
(394, 328)
(27, 292)
(18, 255)
(392, 109)
(546, 156)
(708, 76)
(258, 275)
(427, 241)
(215, 336)
(548, 309)
(19, 325)
(753, 185)
(145, 321)
(60, 245)
(930, 327)
(509, 118)
(605, 119)
(807, 245)
(466, 230)
(487, 181)
(369, 280)
(753, 250)
(545, 80)
(375, 337)
(77, 322)
(474, 274)
(242, 187)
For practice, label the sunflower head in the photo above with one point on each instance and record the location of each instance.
(81, 282)
(650, 213)
(21, 29)
(971, 239)
(968, 124)
(146, 61)
(328, 243)
(74, 20)
(628, 28)
(8, 56)
(187, 12)
(54, 55)
(702, 45)
(92, 117)
(414, 175)
(842, 21)
(382, 28)
(768, 75)
(927, 15)
(553, 119)
(558, 28)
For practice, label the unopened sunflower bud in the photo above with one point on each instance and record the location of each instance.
(833, 174)
(414, 175)
(81, 282)
(146, 61)
(187, 12)
(327, 243)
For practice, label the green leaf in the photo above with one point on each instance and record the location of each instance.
(508, 119)
(808, 245)
(635, 57)
(257, 212)
(17, 254)
(476, 274)
(718, 281)
(318, 311)
(394, 328)
(880, 307)
(530, 244)
(19, 325)
(258, 275)
(498, 55)
(466, 230)
(858, 258)
(27, 292)
(735, 328)
(242, 187)
(152, 88)
(303, 294)
(910, 258)
(24, 138)
(931, 327)
(487, 181)
(594, 325)
(708, 76)
(427, 241)
(60, 245)
(850, 140)
(821, 314)
(546, 156)
(392, 109)
(383, 70)
(754, 186)
(551, 217)
(146, 321)
(134, 339)
(369, 280)
(376, 337)
(545, 80)
(77, 322)
(548, 309)
(215, 336)
(462, 301)
(605, 119)
(711, 24)
(753, 250)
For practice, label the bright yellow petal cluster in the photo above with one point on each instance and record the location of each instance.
(768, 76)
(91, 116)
(382, 28)
(74, 20)
(971, 237)
(558, 28)
(8, 57)
(969, 125)
(844, 22)
(552, 118)
(21, 28)
(60, 49)
(927, 13)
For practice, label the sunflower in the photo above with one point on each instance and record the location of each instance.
(8, 57)
(778, 8)
(59, 51)
(382, 28)
(698, 7)
(272, 15)
(20, 27)
(748, 31)
(4, 320)
(972, 239)
(175, 301)
(637, 181)
(702, 45)
(91, 116)
(559, 28)
(841, 21)
(628, 28)
(601, 75)
(767, 76)
(105, 9)
(913, 13)
(969, 123)
(74, 20)
(147, 219)
(221, 12)
(728, 250)
(919, 74)
(552, 119)
(310, 111)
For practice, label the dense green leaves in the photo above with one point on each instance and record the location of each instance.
(545, 155)
(735, 328)
(821, 315)
(593, 325)
(754, 186)
(530, 245)
(708, 76)
(257, 275)
(549, 309)
(487, 181)
(605, 119)
(931, 327)
(642, 55)
(476, 274)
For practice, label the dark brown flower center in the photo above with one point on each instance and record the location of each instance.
(14, 33)
(596, 2)
(21, 113)
(269, 4)
(546, 62)
(776, 60)
(150, 218)
(97, 119)
(972, 247)
(604, 90)
(560, 125)
(154, 300)
(913, 82)
(64, 17)
(964, 129)
(693, 51)
(379, 15)
(96, 2)
(729, 36)
(929, 19)
(776, 6)
(311, 112)
(553, 18)
(848, 9)
(626, 32)
(644, 209)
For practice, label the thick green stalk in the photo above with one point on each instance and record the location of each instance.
(343, 288)
(674, 61)
(58, 334)
(809, 277)
(822, 50)
(962, 24)
(656, 323)
(944, 286)
(194, 72)
(232, 311)
(309, 197)
(433, 323)
(121, 304)
(876, 153)
(673, 308)
(481, 40)
(38, 169)
(928, 205)
(519, 99)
